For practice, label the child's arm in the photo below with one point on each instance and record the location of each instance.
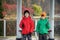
(32, 25)
(48, 25)
(20, 25)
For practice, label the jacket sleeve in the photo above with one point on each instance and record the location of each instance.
(37, 27)
(48, 25)
(32, 26)
(20, 25)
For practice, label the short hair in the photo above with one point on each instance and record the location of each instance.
(27, 12)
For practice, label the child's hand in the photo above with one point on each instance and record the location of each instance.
(50, 31)
(19, 30)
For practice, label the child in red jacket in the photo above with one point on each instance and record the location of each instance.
(27, 25)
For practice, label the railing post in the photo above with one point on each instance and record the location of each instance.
(4, 28)
(52, 7)
(19, 17)
(35, 29)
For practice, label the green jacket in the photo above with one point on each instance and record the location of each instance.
(43, 26)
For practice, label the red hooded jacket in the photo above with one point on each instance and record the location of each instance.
(27, 25)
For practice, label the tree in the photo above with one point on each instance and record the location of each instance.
(28, 3)
(1, 9)
(37, 9)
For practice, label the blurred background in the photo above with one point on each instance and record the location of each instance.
(8, 13)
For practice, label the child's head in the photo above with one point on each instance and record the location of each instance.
(43, 15)
(26, 13)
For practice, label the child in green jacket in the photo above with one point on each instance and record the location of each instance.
(43, 27)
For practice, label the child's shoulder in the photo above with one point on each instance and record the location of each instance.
(38, 20)
(47, 19)
(31, 20)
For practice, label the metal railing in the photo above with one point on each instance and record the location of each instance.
(34, 18)
(4, 26)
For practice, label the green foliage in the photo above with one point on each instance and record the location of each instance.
(1, 16)
(37, 9)
(1, 9)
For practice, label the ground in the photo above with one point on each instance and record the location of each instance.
(14, 38)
